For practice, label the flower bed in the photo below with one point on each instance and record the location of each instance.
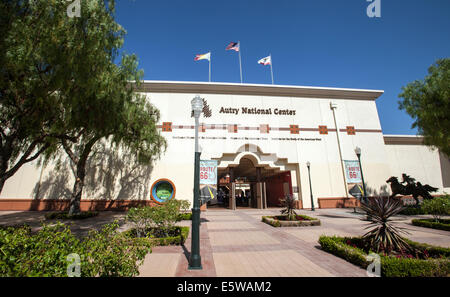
(282, 221)
(175, 236)
(429, 261)
(431, 223)
(65, 215)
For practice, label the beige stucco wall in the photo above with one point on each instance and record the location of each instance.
(326, 172)
(421, 162)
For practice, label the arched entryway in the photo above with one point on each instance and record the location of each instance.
(250, 184)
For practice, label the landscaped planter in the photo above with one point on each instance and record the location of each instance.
(431, 223)
(281, 221)
(177, 237)
(435, 263)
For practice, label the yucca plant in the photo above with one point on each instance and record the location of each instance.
(289, 205)
(384, 237)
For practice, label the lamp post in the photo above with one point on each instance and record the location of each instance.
(310, 186)
(358, 153)
(195, 260)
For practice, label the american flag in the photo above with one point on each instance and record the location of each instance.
(233, 46)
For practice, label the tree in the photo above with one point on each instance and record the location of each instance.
(107, 106)
(32, 69)
(61, 89)
(428, 103)
(133, 130)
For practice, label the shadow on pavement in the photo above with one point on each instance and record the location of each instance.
(80, 228)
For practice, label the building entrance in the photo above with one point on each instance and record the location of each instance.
(247, 185)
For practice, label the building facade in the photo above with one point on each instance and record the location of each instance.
(262, 136)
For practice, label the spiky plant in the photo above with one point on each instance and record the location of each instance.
(289, 205)
(384, 237)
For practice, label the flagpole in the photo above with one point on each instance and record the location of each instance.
(209, 66)
(240, 60)
(271, 69)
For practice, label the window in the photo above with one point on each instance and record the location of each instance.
(167, 127)
(323, 130)
(264, 129)
(294, 129)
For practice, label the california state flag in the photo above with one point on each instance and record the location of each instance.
(265, 61)
(203, 57)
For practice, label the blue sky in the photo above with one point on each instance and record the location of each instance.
(326, 43)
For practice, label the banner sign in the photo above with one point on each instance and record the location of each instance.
(208, 172)
(208, 181)
(352, 172)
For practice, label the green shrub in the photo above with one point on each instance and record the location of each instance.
(336, 246)
(437, 207)
(102, 253)
(139, 218)
(282, 221)
(431, 250)
(400, 267)
(412, 211)
(178, 239)
(108, 253)
(391, 266)
(184, 217)
(184, 205)
(431, 223)
(161, 217)
(65, 215)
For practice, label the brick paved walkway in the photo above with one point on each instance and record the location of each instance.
(239, 244)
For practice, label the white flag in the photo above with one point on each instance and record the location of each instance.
(265, 61)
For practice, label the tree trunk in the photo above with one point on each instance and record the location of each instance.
(80, 176)
(76, 197)
(2, 183)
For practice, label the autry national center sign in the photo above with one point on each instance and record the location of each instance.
(254, 110)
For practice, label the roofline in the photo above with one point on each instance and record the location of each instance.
(257, 89)
(403, 139)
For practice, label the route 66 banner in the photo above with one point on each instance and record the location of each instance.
(352, 172)
(354, 180)
(208, 181)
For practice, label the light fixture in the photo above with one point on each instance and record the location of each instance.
(197, 106)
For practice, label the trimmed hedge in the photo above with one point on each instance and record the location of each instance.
(433, 251)
(395, 267)
(431, 223)
(164, 241)
(184, 217)
(65, 215)
(337, 246)
(274, 222)
(413, 211)
(391, 266)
